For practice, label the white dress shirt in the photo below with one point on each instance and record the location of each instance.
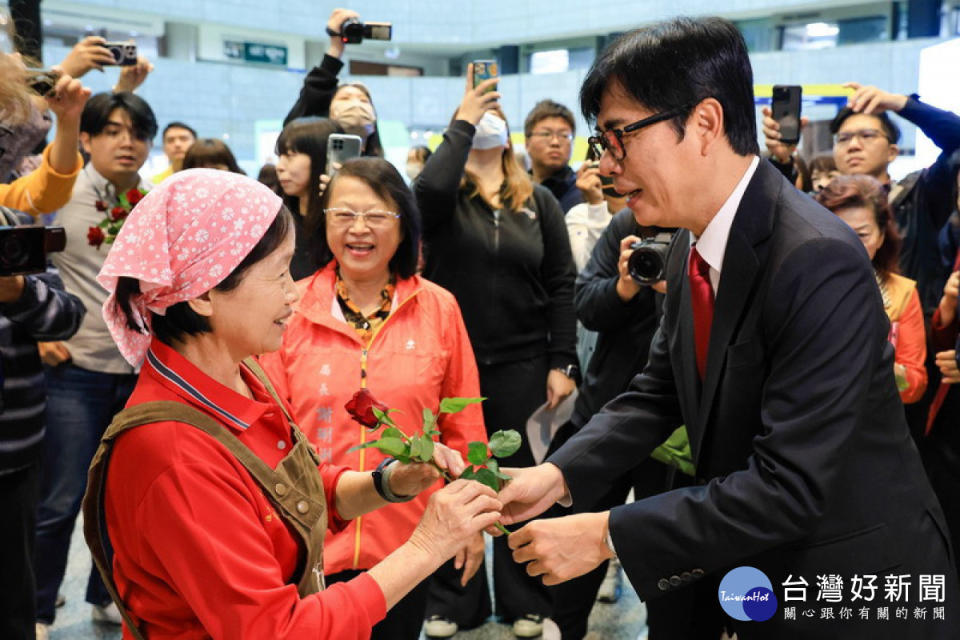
(712, 243)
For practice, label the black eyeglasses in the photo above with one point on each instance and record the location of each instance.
(612, 139)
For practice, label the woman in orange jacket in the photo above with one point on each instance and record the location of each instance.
(366, 320)
(861, 202)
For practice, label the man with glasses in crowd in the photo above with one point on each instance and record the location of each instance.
(549, 130)
(865, 142)
(772, 351)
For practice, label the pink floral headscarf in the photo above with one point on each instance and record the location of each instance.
(182, 240)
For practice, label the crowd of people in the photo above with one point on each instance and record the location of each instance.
(187, 371)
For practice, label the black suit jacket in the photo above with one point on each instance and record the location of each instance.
(804, 462)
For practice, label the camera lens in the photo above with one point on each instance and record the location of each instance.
(13, 253)
(646, 263)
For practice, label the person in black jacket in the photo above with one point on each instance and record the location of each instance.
(500, 244)
(32, 307)
(349, 103)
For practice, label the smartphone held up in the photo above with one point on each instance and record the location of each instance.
(484, 70)
(786, 111)
(340, 148)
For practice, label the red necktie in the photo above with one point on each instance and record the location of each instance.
(701, 296)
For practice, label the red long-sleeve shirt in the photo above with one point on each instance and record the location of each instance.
(200, 551)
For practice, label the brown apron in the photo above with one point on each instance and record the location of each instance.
(295, 487)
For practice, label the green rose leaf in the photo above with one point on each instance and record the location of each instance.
(477, 453)
(416, 446)
(393, 447)
(429, 422)
(469, 474)
(454, 405)
(489, 478)
(402, 458)
(365, 445)
(426, 448)
(392, 432)
(494, 466)
(504, 443)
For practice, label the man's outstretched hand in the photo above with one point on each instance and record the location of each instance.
(530, 492)
(559, 549)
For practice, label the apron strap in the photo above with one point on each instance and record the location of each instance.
(261, 375)
(94, 515)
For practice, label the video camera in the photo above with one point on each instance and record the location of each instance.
(352, 31)
(648, 263)
(24, 250)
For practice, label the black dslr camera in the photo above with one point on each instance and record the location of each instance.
(24, 249)
(648, 262)
(352, 31)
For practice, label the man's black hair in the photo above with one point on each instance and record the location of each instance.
(888, 126)
(178, 125)
(676, 64)
(97, 113)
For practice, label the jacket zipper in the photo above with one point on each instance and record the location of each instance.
(363, 430)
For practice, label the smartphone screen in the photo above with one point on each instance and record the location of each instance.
(786, 111)
(484, 69)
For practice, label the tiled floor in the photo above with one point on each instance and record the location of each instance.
(624, 620)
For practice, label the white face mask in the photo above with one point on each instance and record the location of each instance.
(491, 132)
(355, 116)
(414, 169)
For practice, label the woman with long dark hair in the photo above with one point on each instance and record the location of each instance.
(349, 103)
(301, 160)
(500, 245)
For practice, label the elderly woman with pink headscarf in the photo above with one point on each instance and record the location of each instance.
(207, 508)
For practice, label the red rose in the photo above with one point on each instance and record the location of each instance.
(134, 196)
(118, 213)
(361, 406)
(100, 205)
(95, 236)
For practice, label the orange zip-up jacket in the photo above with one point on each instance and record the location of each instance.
(419, 355)
(43, 190)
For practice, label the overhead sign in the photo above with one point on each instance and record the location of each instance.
(255, 52)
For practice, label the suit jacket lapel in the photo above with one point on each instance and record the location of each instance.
(752, 225)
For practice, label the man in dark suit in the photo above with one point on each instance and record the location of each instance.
(772, 350)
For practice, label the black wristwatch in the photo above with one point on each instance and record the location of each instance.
(383, 487)
(572, 371)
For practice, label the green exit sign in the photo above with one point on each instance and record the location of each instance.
(255, 52)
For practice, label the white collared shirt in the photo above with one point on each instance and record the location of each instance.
(712, 243)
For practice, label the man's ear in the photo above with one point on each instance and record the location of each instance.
(706, 123)
(893, 152)
(85, 142)
(201, 305)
